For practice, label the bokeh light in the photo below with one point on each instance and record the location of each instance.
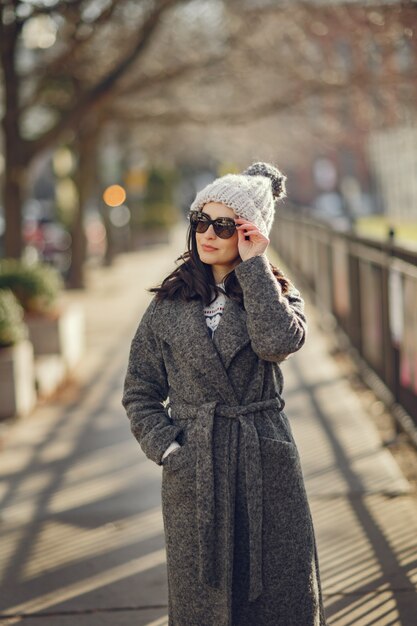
(39, 32)
(120, 216)
(114, 195)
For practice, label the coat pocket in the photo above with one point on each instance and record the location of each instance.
(285, 496)
(177, 458)
(282, 465)
(274, 426)
(288, 536)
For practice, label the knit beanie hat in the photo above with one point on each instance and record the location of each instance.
(251, 195)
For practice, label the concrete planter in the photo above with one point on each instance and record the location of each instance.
(17, 380)
(62, 334)
(50, 373)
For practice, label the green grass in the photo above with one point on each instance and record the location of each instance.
(377, 226)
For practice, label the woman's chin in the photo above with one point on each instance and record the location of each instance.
(207, 257)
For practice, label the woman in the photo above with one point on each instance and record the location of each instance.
(240, 542)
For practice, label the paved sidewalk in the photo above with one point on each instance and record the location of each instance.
(80, 504)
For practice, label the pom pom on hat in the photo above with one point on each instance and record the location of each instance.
(269, 171)
(251, 195)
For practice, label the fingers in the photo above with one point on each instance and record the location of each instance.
(249, 232)
(241, 222)
(247, 229)
(242, 232)
(256, 242)
(246, 225)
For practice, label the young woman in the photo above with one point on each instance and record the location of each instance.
(240, 541)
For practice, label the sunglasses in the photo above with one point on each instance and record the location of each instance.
(224, 227)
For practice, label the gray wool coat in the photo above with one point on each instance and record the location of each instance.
(240, 541)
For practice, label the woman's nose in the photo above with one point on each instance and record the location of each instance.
(210, 232)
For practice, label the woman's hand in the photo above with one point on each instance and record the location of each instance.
(172, 446)
(257, 242)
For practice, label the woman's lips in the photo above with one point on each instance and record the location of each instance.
(208, 248)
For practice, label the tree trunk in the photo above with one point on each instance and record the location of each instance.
(86, 179)
(14, 190)
(110, 252)
(75, 278)
(14, 146)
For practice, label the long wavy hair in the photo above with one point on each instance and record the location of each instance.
(194, 279)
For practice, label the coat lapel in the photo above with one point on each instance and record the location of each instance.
(182, 325)
(231, 334)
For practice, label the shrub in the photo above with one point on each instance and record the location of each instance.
(12, 326)
(35, 286)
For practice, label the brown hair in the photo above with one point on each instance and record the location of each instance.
(194, 279)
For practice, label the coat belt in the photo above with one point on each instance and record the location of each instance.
(205, 486)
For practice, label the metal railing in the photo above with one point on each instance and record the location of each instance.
(369, 288)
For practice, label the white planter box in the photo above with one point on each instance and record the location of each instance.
(50, 373)
(17, 380)
(63, 335)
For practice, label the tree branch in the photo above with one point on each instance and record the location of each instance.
(293, 98)
(170, 118)
(168, 75)
(96, 95)
(233, 41)
(55, 66)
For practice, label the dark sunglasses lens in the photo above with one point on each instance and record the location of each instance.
(224, 231)
(198, 222)
(202, 225)
(223, 228)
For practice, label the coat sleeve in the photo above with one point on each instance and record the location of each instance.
(276, 323)
(145, 390)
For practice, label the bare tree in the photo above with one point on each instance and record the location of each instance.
(57, 83)
(60, 87)
(330, 71)
(165, 64)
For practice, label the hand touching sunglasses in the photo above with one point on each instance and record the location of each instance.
(224, 227)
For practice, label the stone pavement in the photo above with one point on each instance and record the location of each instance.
(81, 525)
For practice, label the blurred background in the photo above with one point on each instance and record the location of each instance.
(159, 97)
(114, 113)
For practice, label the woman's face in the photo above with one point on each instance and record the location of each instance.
(221, 254)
